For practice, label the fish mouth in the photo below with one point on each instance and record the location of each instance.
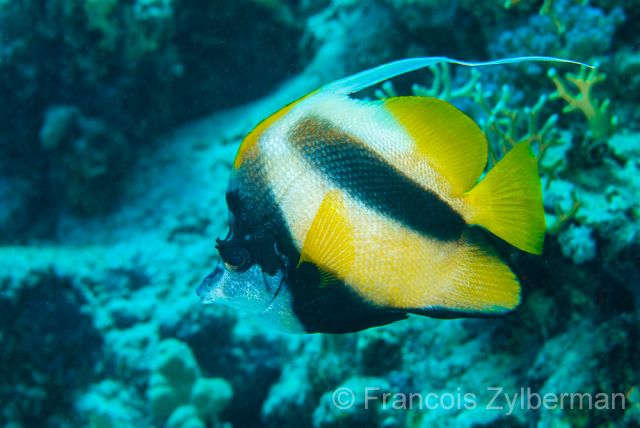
(208, 290)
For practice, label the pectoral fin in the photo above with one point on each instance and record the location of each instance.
(328, 244)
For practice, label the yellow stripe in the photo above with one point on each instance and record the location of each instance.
(395, 266)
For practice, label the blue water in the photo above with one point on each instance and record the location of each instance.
(119, 124)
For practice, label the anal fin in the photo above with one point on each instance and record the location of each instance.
(478, 283)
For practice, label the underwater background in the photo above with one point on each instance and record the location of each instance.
(119, 122)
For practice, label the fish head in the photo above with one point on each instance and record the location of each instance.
(252, 274)
(239, 280)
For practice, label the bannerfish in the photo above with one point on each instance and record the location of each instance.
(346, 214)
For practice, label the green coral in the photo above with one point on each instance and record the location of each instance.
(179, 394)
(602, 122)
(547, 9)
(141, 28)
(441, 86)
(99, 15)
(632, 415)
(563, 217)
(506, 126)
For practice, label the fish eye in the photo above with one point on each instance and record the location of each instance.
(236, 259)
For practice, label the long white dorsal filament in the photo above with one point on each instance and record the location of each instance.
(364, 79)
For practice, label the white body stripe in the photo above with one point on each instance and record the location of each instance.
(371, 124)
(298, 189)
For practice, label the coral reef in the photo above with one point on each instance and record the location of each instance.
(50, 347)
(111, 195)
(586, 31)
(133, 69)
(110, 404)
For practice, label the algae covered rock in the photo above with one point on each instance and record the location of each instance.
(356, 402)
(111, 404)
(185, 416)
(163, 399)
(89, 159)
(177, 366)
(177, 392)
(210, 396)
(43, 321)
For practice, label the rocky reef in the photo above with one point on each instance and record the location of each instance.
(119, 124)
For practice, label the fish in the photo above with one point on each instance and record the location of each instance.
(346, 214)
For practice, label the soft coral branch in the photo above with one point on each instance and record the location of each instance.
(601, 122)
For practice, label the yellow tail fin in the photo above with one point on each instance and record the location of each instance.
(508, 201)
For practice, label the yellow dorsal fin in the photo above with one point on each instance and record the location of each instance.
(508, 201)
(478, 282)
(329, 242)
(450, 140)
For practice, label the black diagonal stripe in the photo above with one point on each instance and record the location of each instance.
(353, 167)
